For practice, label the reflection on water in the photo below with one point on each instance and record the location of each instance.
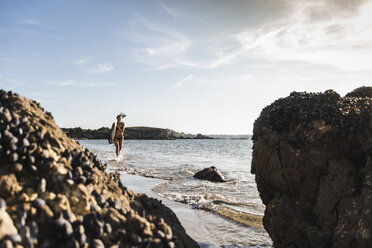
(176, 161)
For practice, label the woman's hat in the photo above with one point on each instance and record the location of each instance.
(121, 114)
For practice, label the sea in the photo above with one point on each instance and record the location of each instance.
(214, 214)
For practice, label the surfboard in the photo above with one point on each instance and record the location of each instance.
(113, 132)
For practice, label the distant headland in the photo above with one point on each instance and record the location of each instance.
(132, 133)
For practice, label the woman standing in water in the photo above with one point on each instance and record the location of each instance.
(119, 127)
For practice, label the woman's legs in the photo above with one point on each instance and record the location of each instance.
(116, 141)
(120, 144)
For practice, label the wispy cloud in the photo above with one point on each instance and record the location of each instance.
(309, 34)
(160, 47)
(81, 61)
(92, 67)
(73, 83)
(332, 33)
(36, 23)
(170, 11)
(181, 82)
(101, 68)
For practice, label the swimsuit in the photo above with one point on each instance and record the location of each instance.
(119, 130)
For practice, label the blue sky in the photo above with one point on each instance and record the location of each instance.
(193, 66)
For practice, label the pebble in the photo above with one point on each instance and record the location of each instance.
(70, 182)
(25, 142)
(108, 228)
(7, 115)
(31, 159)
(18, 167)
(13, 147)
(38, 203)
(13, 140)
(42, 186)
(14, 157)
(97, 243)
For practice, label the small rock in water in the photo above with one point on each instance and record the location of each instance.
(211, 174)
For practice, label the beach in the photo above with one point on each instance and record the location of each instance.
(164, 169)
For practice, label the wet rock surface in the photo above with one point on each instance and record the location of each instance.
(312, 158)
(211, 174)
(54, 193)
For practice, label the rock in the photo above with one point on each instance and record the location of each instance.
(55, 193)
(211, 174)
(312, 160)
(6, 225)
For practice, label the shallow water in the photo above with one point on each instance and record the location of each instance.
(234, 209)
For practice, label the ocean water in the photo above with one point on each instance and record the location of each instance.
(231, 211)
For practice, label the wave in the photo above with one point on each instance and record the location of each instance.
(244, 213)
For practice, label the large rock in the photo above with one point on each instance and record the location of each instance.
(312, 158)
(211, 174)
(58, 194)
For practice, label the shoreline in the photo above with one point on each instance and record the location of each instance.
(209, 229)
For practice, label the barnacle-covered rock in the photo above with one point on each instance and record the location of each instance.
(312, 158)
(55, 193)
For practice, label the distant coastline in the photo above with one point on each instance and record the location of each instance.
(132, 133)
(143, 133)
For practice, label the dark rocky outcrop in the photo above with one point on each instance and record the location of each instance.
(312, 158)
(131, 133)
(54, 193)
(149, 133)
(211, 174)
(201, 136)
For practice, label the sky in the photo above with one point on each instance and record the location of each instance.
(192, 66)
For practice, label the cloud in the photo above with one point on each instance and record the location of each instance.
(160, 47)
(170, 11)
(81, 61)
(35, 23)
(72, 83)
(181, 82)
(101, 68)
(316, 32)
(326, 33)
(93, 68)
